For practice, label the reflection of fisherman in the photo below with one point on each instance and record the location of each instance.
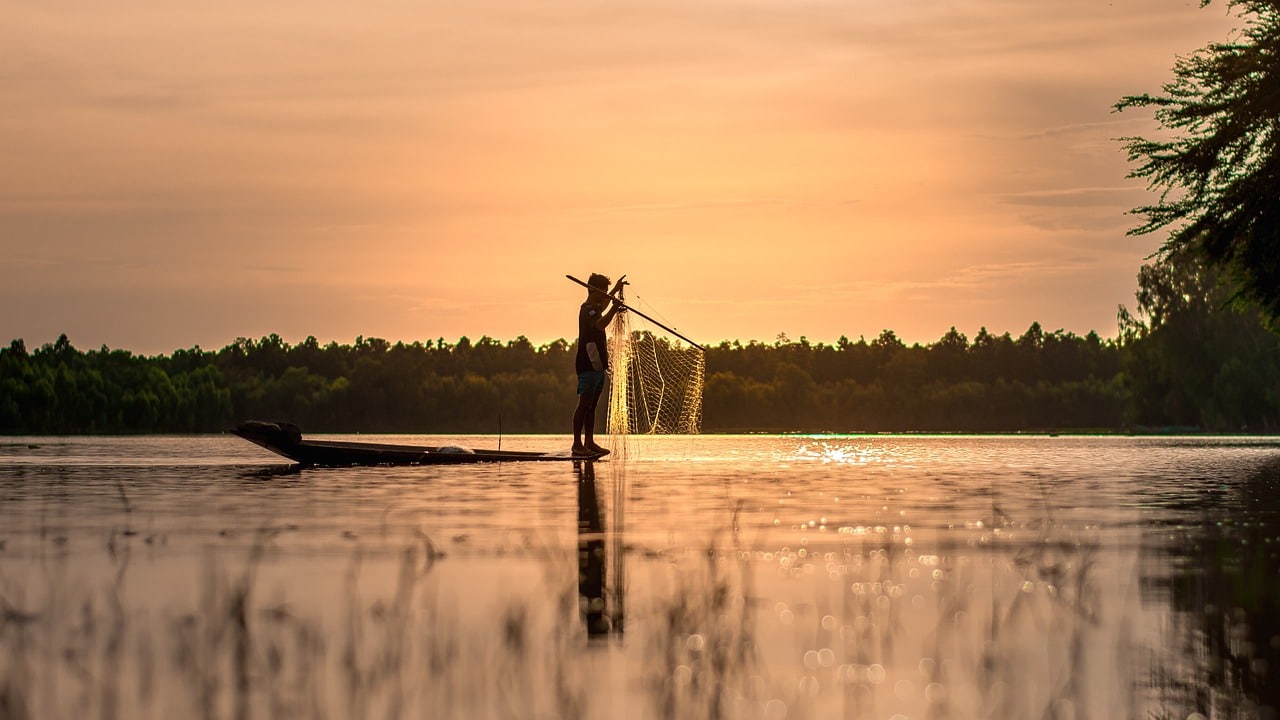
(592, 361)
(591, 558)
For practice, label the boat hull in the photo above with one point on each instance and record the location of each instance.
(286, 440)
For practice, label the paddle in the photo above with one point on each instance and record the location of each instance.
(646, 317)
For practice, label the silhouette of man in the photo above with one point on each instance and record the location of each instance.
(592, 361)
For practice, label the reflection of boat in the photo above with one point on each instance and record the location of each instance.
(285, 439)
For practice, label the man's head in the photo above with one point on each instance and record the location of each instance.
(599, 293)
(599, 282)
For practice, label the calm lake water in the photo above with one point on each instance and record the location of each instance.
(709, 576)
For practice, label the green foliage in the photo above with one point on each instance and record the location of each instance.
(998, 383)
(1194, 358)
(370, 386)
(1187, 359)
(1218, 169)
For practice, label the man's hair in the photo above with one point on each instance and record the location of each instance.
(599, 281)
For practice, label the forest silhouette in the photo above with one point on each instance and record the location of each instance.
(1188, 360)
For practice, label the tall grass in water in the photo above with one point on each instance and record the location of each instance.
(392, 644)
(1004, 619)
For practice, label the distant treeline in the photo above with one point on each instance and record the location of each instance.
(994, 383)
(1188, 361)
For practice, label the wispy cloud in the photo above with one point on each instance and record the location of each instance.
(710, 204)
(1074, 197)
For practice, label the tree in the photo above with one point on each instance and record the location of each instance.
(1218, 172)
(1193, 359)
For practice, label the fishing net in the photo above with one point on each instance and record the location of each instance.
(655, 388)
(655, 380)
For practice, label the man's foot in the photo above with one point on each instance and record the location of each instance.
(582, 451)
(596, 449)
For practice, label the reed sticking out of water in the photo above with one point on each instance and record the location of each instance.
(1008, 620)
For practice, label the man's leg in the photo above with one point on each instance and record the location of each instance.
(580, 414)
(590, 435)
(589, 417)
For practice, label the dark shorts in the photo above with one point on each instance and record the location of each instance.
(591, 381)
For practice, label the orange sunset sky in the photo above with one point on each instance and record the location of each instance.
(180, 173)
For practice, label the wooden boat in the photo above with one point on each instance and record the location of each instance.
(286, 439)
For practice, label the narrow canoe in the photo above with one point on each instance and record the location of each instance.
(286, 439)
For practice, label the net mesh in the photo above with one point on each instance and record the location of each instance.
(655, 388)
(655, 383)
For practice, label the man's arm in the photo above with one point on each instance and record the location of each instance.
(593, 354)
(607, 317)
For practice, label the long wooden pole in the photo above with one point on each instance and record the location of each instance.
(646, 317)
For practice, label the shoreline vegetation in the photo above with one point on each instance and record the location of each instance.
(1037, 381)
(1054, 383)
(1191, 358)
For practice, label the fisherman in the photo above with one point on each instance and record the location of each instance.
(592, 361)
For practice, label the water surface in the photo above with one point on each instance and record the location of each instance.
(710, 576)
